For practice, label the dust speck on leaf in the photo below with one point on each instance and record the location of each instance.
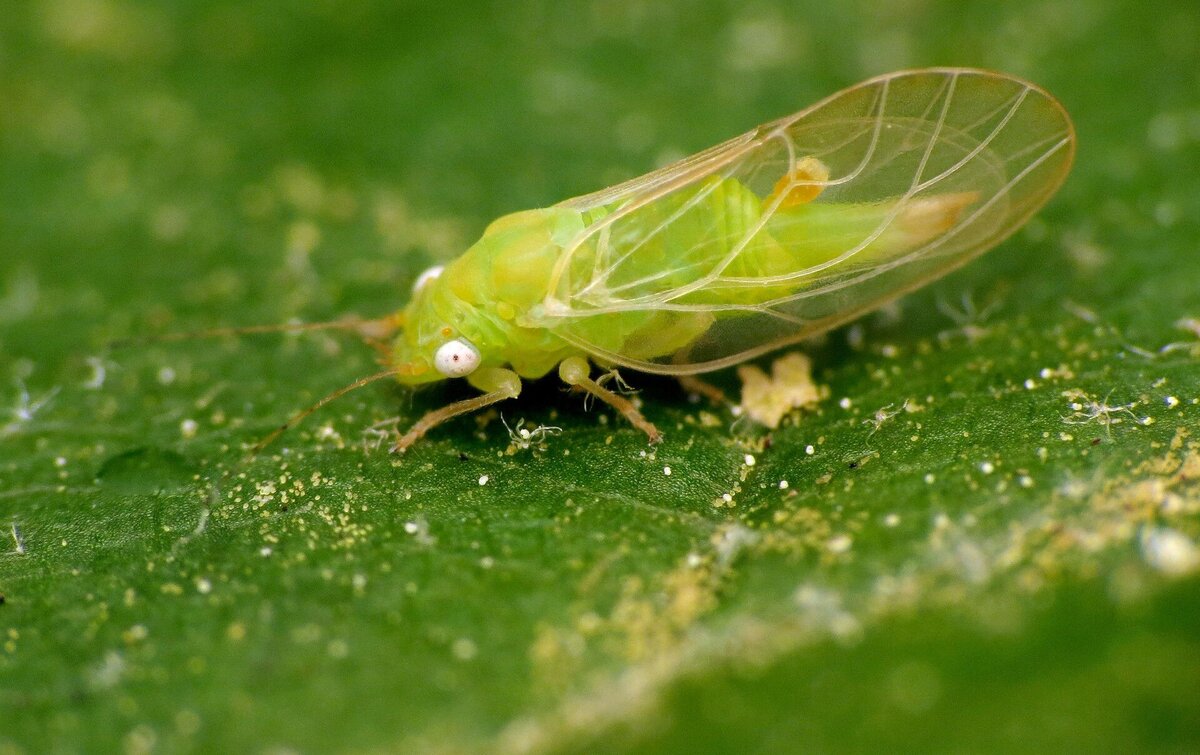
(1170, 551)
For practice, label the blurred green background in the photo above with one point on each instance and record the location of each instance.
(1010, 565)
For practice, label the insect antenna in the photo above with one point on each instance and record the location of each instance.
(302, 415)
(369, 329)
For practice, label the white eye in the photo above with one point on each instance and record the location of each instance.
(456, 358)
(426, 277)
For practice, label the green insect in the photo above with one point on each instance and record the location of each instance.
(792, 228)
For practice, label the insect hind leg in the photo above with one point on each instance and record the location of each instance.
(697, 388)
(574, 371)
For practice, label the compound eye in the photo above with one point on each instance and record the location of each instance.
(456, 358)
(424, 278)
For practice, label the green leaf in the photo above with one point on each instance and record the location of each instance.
(984, 540)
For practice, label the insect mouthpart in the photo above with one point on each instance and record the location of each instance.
(456, 358)
(411, 369)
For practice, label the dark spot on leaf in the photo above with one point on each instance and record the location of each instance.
(146, 470)
(853, 465)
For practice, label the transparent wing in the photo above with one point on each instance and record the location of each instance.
(807, 222)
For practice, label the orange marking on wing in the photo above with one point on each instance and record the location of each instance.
(928, 217)
(802, 185)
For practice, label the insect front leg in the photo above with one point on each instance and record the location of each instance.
(575, 371)
(497, 384)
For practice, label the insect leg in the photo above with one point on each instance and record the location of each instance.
(694, 385)
(499, 384)
(574, 372)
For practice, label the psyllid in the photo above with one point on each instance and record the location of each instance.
(790, 229)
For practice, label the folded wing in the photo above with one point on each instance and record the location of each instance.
(808, 221)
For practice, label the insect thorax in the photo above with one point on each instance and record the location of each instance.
(485, 296)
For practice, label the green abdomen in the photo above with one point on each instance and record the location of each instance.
(707, 248)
